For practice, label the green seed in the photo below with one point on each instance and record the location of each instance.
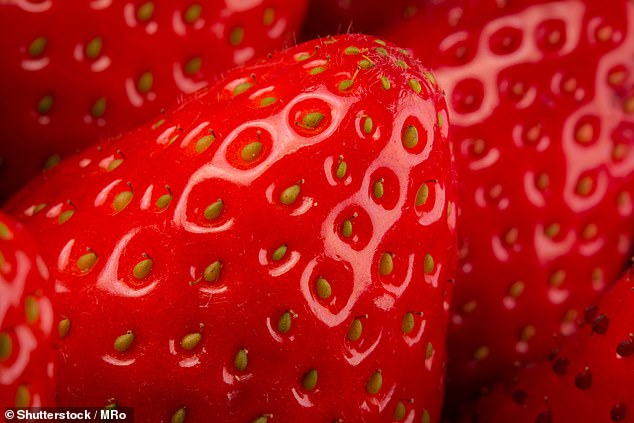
(368, 125)
(214, 210)
(6, 346)
(63, 328)
(193, 65)
(241, 361)
(280, 252)
(142, 269)
(351, 50)
(302, 56)
(190, 340)
(212, 272)
(65, 216)
(410, 136)
(399, 412)
(345, 84)
(408, 323)
(251, 151)
(378, 189)
(114, 164)
(145, 11)
(236, 36)
(400, 63)
(312, 120)
(22, 396)
(316, 70)
(269, 16)
(290, 194)
(440, 119)
(145, 82)
(93, 48)
(310, 380)
(428, 264)
(45, 105)
(341, 170)
(204, 143)
(380, 42)
(355, 330)
(346, 228)
(383, 52)
(87, 261)
(324, 290)
(430, 77)
(284, 322)
(365, 64)
(430, 351)
(37, 46)
(422, 195)
(122, 200)
(193, 13)
(5, 233)
(31, 309)
(163, 201)
(516, 289)
(178, 416)
(426, 417)
(52, 161)
(261, 419)
(415, 85)
(98, 108)
(267, 101)
(240, 88)
(124, 342)
(385, 83)
(373, 385)
(386, 265)
(158, 123)
(39, 208)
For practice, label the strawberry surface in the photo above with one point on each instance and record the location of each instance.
(75, 72)
(276, 248)
(26, 321)
(542, 108)
(590, 380)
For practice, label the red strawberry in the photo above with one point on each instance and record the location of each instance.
(329, 17)
(590, 380)
(26, 321)
(543, 125)
(101, 67)
(276, 246)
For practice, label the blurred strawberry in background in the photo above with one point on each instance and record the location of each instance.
(75, 72)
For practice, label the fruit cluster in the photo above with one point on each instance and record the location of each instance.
(322, 210)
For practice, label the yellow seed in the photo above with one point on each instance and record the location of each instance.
(351, 50)
(37, 46)
(64, 216)
(5, 233)
(324, 290)
(190, 340)
(241, 361)
(380, 42)
(6, 346)
(269, 16)
(368, 125)
(527, 332)
(93, 48)
(114, 164)
(267, 101)
(399, 412)
(373, 385)
(312, 120)
(87, 261)
(584, 186)
(383, 52)
(261, 419)
(410, 136)
(378, 189)
(345, 84)
(385, 83)
(214, 210)
(428, 264)
(251, 151)
(163, 201)
(124, 342)
(366, 64)
(212, 272)
(280, 252)
(289, 195)
(408, 323)
(193, 13)
(284, 323)
(552, 230)
(430, 351)
(122, 200)
(355, 330)
(145, 82)
(481, 353)
(240, 88)
(346, 228)
(341, 170)
(142, 269)
(63, 328)
(193, 65)
(422, 195)
(386, 265)
(310, 380)
(516, 289)
(178, 416)
(22, 396)
(557, 278)
(236, 36)
(440, 120)
(204, 143)
(426, 417)
(415, 85)
(31, 309)
(145, 11)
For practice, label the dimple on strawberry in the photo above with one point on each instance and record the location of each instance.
(73, 73)
(26, 321)
(275, 248)
(591, 379)
(542, 107)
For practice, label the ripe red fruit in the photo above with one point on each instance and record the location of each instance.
(542, 112)
(590, 380)
(73, 73)
(276, 245)
(26, 321)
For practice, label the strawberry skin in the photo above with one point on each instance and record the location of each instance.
(542, 107)
(103, 67)
(276, 248)
(590, 380)
(26, 321)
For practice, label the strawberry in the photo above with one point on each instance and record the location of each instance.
(542, 104)
(590, 380)
(329, 17)
(26, 321)
(276, 248)
(102, 67)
